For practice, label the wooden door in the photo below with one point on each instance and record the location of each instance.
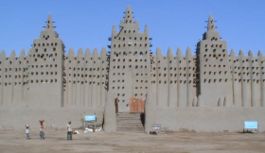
(136, 105)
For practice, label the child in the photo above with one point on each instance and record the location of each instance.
(27, 132)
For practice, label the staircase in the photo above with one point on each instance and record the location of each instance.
(129, 122)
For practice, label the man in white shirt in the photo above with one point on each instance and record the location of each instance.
(27, 132)
(69, 131)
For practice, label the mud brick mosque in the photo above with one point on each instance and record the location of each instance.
(210, 90)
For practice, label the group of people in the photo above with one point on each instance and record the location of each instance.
(42, 134)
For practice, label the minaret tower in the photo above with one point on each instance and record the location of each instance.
(46, 69)
(129, 62)
(214, 85)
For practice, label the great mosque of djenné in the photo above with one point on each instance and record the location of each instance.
(211, 90)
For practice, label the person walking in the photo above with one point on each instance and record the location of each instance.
(69, 131)
(42, 134)
(27, 131)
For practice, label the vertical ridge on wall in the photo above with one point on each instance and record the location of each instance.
(95, 73)
(104, 74)
(251, 78)
(72, 68)
(158, 53)
(98, 77)
(188, 61)
(2, 62)
(79, 68)
(7, 81)
(247, 80)
(262, 78)
(87, 94)
(179, 60)
(22, 75)
(154, 76)
(12, 81)
(256, 92)
(233, 76)
(182, 81)
(170, 59)
(190, 72)
(241, 78)
(162, 80)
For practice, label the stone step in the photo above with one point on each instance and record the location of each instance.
(131, 130)
(126, 113)
(130, 127)
(140, 126)
(124, 119)
(129, 116)
(129, 122)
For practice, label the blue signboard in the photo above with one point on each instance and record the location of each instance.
(90, 118)
(252, 125)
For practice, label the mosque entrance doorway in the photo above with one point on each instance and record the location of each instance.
(136, 105)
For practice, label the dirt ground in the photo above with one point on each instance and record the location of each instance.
(180, 142)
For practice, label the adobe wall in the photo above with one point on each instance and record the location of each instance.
(174, 103)
(86, 79)
(17, 117)
(204, 119)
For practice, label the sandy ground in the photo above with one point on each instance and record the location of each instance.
(181, 142)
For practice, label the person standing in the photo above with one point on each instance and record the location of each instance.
(69, 131)
(27, 132)
(42, 134)
(116, 103)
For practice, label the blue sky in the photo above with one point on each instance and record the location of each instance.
(172, 23)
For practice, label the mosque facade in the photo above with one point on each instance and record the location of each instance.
(208, 89)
